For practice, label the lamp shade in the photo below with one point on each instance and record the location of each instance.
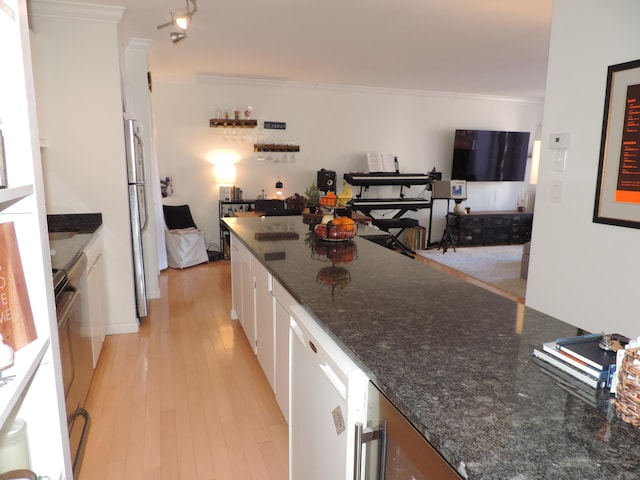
(177, 36)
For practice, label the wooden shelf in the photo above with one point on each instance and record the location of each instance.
(272, 147)
(230, 123)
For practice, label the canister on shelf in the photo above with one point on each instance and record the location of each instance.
(14, 448)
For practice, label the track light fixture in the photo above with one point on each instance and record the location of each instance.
(177, 36)
(181, 21)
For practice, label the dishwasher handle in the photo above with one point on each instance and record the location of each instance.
(366, 435)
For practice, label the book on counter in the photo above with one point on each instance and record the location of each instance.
(582, 358)
(592, 380)
(596, 397)
(587, 349)
(552, 349)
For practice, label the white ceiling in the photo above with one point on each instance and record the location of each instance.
(488, 47)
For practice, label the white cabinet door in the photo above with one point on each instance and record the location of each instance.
(328, 396)
(283, 304)
(248, 318)
(281, 387)
(237, 252)
(97, 317)
(265, 335)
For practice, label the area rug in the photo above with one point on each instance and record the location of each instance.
(497, 267)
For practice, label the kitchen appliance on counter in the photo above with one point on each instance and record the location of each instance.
(75, 352)
(138, 213)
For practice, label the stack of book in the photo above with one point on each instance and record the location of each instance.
(581, 358)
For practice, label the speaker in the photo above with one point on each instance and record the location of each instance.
(451, 189)
(326, 180)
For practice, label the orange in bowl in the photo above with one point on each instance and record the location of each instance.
(328, 200)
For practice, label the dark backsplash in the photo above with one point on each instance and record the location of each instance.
(74, 222)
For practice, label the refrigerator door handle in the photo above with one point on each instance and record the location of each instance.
(145, 223)
(366, 435)
(141, 180)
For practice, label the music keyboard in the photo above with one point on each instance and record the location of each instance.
(390, 203)
(404, 179)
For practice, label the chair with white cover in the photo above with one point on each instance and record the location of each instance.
(185, 242)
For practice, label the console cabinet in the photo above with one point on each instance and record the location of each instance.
(482, 228)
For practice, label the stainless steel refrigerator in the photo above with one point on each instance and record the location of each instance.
(137, 209)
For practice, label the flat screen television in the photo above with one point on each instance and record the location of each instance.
(490, 156)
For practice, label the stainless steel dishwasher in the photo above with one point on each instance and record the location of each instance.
(75, 352)
(391, 449)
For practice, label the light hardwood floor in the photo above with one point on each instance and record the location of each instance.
(184, 398)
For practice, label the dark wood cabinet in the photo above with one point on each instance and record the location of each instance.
(482, 228)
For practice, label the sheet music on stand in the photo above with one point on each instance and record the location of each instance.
(381, 162)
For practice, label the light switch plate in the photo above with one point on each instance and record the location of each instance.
(560, 161)
(556, 191)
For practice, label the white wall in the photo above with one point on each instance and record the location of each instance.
(582, 272)
(334, 126)
(80, 110)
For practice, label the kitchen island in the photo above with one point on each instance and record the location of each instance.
(454, 358)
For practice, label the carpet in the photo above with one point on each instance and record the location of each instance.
(496, 267)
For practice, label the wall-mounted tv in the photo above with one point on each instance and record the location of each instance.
(490, 156)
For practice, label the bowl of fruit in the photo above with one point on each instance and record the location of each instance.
(338, 229)
(329, 200)
(334, 252)
(334, 276)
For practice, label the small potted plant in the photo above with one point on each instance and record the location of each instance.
(313, 197)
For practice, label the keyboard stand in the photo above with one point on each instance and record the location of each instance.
(401, 204)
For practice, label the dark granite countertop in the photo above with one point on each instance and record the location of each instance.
(69, 234)
(455, 359)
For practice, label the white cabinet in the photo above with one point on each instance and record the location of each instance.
(283, 302)
(248, 318)
(243, 289)
(265, 333)
(328, 396)
(96, 301)
(35, 393)
(263, 307)
(237, 252)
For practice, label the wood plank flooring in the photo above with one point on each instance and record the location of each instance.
(185, 398)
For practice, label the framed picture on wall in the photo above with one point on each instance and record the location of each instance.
(618, 185)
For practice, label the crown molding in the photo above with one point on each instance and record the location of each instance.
(138, 43)
(75, 10)
(275, 82)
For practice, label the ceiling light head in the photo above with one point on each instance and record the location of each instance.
(183, 21)
(177, 36)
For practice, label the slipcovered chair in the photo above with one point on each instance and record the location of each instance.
(185, 242)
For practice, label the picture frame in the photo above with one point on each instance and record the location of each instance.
(617, 199)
